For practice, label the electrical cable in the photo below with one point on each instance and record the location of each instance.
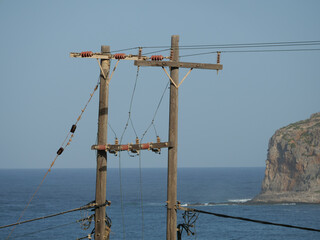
(252, 51)
(54, 215)
(288, 43)
(229, 45)
(148, 53)
(156, 111)
(249, 46)
(140, 162)
(59, 152)
(115, 135)
(49, 228)
(121, 138)
(250, 220)
(125, 49)
(45, 229)
(130, 108)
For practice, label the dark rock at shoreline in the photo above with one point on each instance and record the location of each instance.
(293, 165)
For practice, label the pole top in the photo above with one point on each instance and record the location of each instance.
(105, 49)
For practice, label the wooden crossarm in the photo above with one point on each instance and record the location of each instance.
(130, 147)
(145, 63)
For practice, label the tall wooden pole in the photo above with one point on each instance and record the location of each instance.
(173, 150)
(101, 177)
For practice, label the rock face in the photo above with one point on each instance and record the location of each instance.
(293, 164)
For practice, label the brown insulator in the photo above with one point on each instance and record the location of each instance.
(140, 53)
(158, 139)
(87, 54)
(218, 57)
(116, 142)
(119, 56)
(73, 128)
(157, 57)
(60, 151)
(137, 140)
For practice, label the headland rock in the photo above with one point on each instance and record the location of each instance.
(293, 164)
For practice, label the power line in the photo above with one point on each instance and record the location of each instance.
(55, 214)
(125, 49)
(250, 46)
(50, 228)
(229, 45)
(158, 51)
(288, 43)
(239, 45)
(250, 220)
(253, 51)
(63, 146)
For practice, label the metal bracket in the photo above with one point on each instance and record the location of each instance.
(171, 80)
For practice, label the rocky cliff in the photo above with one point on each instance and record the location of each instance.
(293, 165)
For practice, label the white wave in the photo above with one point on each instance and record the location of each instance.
(239, 200)
(287, 204)
(198, 204)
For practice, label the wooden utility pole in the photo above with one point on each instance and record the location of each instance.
(101, 175)
(173, 140)
(174, 65)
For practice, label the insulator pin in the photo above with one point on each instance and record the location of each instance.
(157, 57)
(87, 54)
(140, 53)
(119, 56)
(218, 57)
(60, 151)
(73, 128)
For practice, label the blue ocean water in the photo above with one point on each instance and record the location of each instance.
(211, 189)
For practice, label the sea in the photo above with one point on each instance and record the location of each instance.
(138, 204)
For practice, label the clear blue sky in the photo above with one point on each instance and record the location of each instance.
(228, 118)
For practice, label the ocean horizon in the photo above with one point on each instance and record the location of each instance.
(219, 189)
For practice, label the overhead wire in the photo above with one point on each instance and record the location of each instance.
(251, 51)
(125, 49)
(156, 112)
(158, 51)
(130, 108)
(114, 133)
(248, 45)
(63, 146)
(140, 161)
(53, 215)
(250, 220)
(121, 139)
(164, 48)
(288, 43)
(50, 228)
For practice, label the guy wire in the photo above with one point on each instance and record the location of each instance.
(63, 146)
